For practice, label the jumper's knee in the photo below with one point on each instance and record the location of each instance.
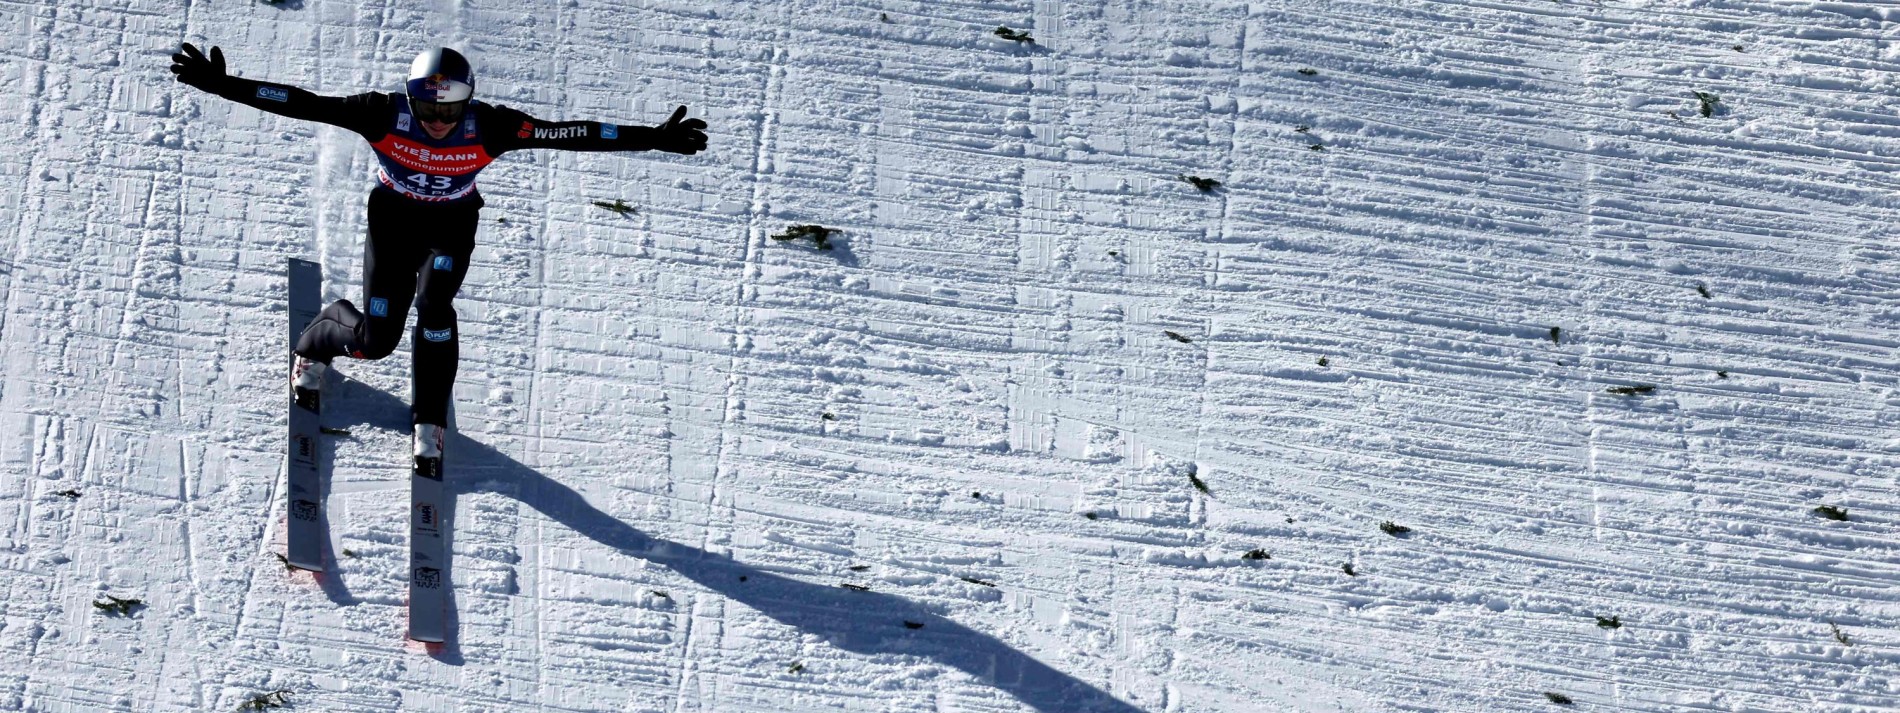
(433, 316)
(373, 348)
(376, 338)
(341, 330)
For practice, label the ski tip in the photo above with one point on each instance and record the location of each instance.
(426, 638)
(306, 566)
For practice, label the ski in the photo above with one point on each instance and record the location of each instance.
(428, 552)
(304, 539)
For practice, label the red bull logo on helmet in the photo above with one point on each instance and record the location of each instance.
(437, 86)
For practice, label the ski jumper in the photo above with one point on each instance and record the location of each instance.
(422, 220)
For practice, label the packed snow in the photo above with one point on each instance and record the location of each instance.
(1522, 360)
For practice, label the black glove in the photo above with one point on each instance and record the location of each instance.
(195, 71)
(681, 137)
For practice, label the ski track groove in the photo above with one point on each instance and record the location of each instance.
(537, 411)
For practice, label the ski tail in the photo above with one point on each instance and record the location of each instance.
(305, 535)
(429, 531)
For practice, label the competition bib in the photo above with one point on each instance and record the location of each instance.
(426, 169)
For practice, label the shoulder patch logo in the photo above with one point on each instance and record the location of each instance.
(378, 307)
(276, 94)
(402, 121)
(609, 131)
(444, 262)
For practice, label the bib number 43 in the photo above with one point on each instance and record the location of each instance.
(427, 182)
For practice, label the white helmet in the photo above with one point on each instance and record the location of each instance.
(441, 76)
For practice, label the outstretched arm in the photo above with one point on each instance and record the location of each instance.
(364, 114)
(510, 129)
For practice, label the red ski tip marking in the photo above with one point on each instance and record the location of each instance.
(409, 639)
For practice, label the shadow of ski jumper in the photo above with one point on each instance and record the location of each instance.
(860, 622)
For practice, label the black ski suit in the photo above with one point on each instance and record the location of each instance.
(422, 219)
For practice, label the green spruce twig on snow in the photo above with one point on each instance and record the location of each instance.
(264, 701)
(819, 235)
(1013, 35)
(1839, 635)
(117, 605)
(1830, 512)
(1195, 480)
(1207, 185)
(1708, 103)
(619, 207)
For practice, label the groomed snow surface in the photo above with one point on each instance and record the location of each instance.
(1446, 231)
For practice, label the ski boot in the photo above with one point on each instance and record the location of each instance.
(429, 440)
(307, 379)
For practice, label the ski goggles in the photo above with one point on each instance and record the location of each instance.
(438, 112)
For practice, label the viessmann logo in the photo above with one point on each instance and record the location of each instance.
(422, 153)
(453, 161)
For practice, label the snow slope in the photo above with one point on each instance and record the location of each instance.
(679, 436)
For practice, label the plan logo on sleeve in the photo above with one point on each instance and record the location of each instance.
(276, 94)
(437, 335)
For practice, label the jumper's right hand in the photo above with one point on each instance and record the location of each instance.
(194, 70)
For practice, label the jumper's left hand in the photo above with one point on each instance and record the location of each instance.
(680, 135)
